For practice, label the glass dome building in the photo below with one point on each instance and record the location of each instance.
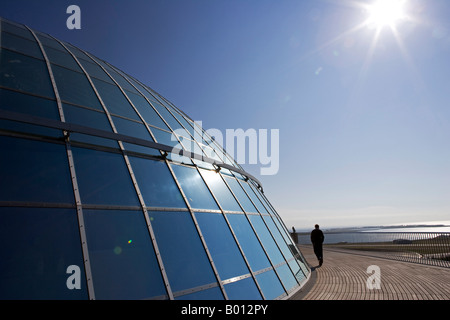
(109, 191)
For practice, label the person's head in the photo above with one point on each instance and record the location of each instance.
(316, 226)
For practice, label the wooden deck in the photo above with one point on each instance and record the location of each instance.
(343, 276)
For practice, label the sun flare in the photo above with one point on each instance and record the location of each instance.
(386, 13)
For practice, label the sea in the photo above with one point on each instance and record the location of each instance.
(409, 231)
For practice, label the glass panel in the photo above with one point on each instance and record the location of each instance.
(146, 111)
(252, 196)
(48, 42)
(85, 117)
(296, 270)
(123, 261)
(278, 238)
(286, 276)
(270, 285)
(23, 103)
(208, 294)
(222, 246)
(74, 87)
(131, 128)
(244, 289)
(248, 241)
(103, 178)
(38, 245)
(95, 71)
(25, 73)
(266, 239)
(77, 52)
(173, 123)
(16, 29)
(114, 100)
(34, 171)
(119, 78)
(25, 127)
(240, 194)
(61, 58)
(156, 184)
(21, 45)
(220, 190)
(166, 138)
(194, 188)
(185, 260)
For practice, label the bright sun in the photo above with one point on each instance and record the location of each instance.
(386, 13)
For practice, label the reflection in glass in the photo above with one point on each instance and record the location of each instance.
(103, 178)
(38, 245)
(156, 183)
(248, 241)
(220, 190)
(194, 188)
(222, 246)
(34, 171)
(184, 257)
(122, 258)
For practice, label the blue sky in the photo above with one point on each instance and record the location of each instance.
(363, 116)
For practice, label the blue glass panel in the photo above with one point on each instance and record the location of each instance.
(21, 45)
(146, 111)
(248, 241)
(166, 138)
(296, 270)
(156, 183)
(38, 245)
(173, 123)
(187, 265)
(95, 71)
(24, 103)
(252, 196)
(266, 239)
(49, 42)
(208, 294)
(220, 190)
(244, 289)
(85, 117)
(194, 188)
(16, 29)
(30, 128)
(278, 237)
(222, 246)
(103, 178)
(34, 171)
(24, 73)
(241, 195)
(77, 52)
(286, 276)
(122, 258)
(61, 58)
(74, 87)
(270, 285)
(114, 100)
(131, 128)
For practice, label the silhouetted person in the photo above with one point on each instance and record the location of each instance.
(293, 229)
(317, 238)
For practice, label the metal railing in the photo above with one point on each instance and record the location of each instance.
(432, 248)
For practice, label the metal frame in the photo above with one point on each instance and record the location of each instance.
(68, 128)
(81, 226)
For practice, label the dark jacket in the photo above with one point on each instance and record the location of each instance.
(317, 236)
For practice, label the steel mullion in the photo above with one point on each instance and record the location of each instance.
(202, 239)
(133, 178)
(234, 235)
(274, 240)
(81, 225)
